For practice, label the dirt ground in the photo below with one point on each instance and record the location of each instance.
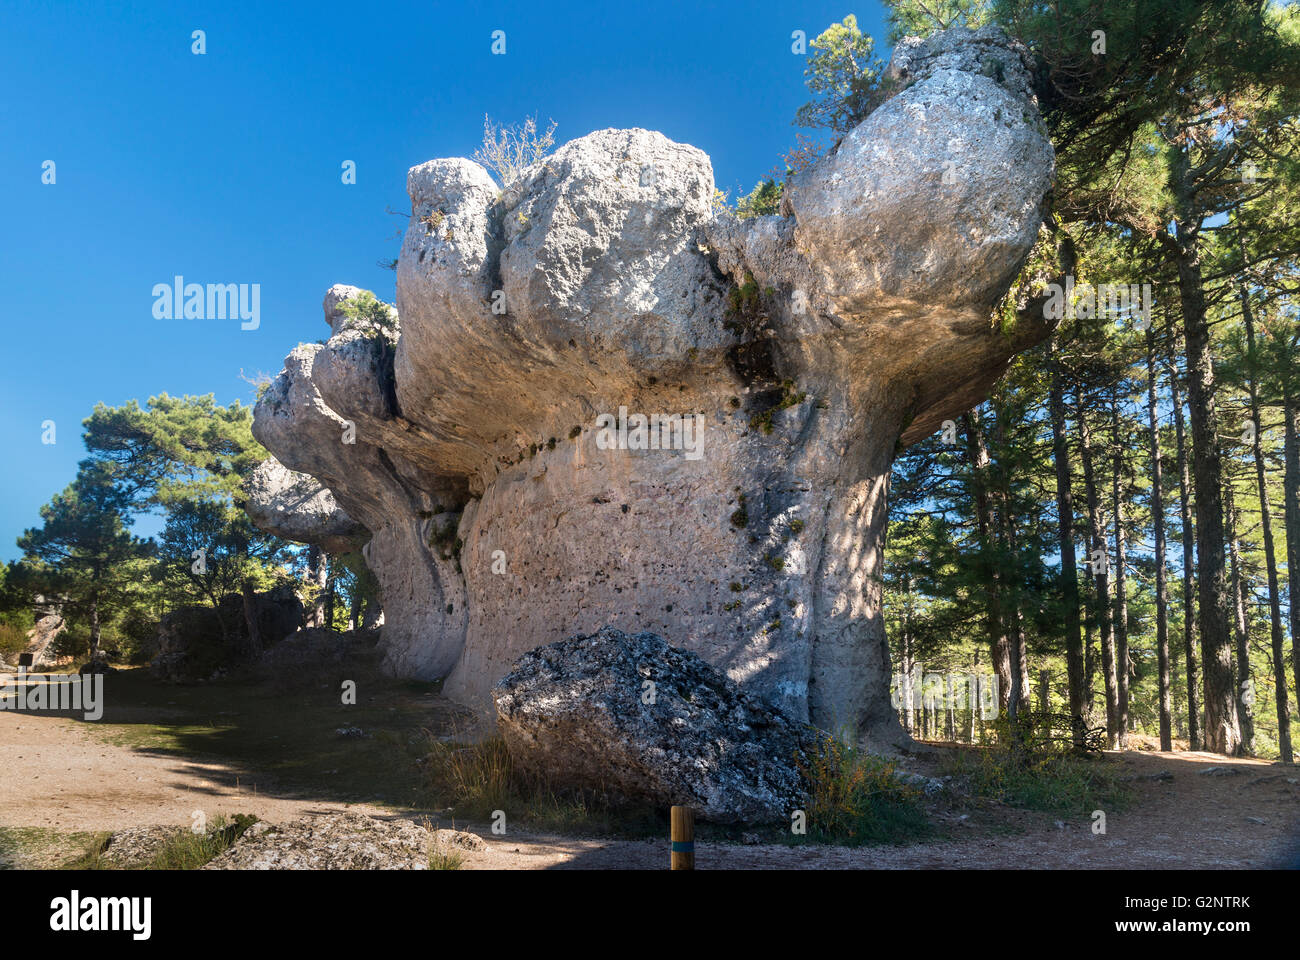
(1248, 819)
(63, 777)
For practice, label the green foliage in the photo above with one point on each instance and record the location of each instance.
(187, 458)
(920, 18)
(371, 315)
(209, 549)
(16, 616)
(1051, 782)
(174, 449)
(763, 200)
(854, 799)
(83, 552)
(842, 76)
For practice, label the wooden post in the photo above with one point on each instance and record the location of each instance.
(683, 838)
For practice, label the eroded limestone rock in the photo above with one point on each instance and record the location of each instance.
(296, 506)
(810, 345)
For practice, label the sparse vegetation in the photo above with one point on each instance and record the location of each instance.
(475, 779)
(510, 150)
(855, 799)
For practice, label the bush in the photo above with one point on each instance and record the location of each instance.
(13, 641)
(1051, 781)
(763, 200)
(855, 799)
(137, 637)
(509, 151)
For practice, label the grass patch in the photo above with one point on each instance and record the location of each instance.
(855, 800)
(476, 780)
(1051, 782)
(92, 858)
(42, 848)
(182, 850)
(443, 859)
(189, 851)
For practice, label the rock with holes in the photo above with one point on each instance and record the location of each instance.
(633, 719)
(607, 402)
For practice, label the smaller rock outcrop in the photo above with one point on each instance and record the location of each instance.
(635, 719)
(192, 643)
(41, 639)
(336, 841)
(296, 506)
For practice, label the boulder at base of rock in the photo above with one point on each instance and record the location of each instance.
(635, 719)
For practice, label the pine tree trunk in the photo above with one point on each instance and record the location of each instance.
(972, 692)
(1270, 557)
(1090, 662)
(1162, 586)
(1122, 664)
(1099, 572)
(999, 652)
(1045, 703)
(949, 711)
(1291, 488)
(331, 594)
(1074, 657)
(1221, 733)
(1018, 698)
(250, 620)
(318, 576)
(95, 633)
(905, 666)
(1189, 574)
(1243, 683)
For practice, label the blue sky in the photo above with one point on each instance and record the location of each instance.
(226, 167)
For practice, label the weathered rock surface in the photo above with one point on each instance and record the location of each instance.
(635, 719)
(41, 638)
(335, 841)
(296, 506)
(810, 345)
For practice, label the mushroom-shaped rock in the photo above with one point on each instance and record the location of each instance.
(608, 404)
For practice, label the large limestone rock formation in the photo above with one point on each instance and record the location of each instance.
(603, 283)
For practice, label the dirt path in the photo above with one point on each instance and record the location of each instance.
(1247, 818)
(60, 775)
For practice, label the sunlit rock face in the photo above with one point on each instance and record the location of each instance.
(500, 461)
